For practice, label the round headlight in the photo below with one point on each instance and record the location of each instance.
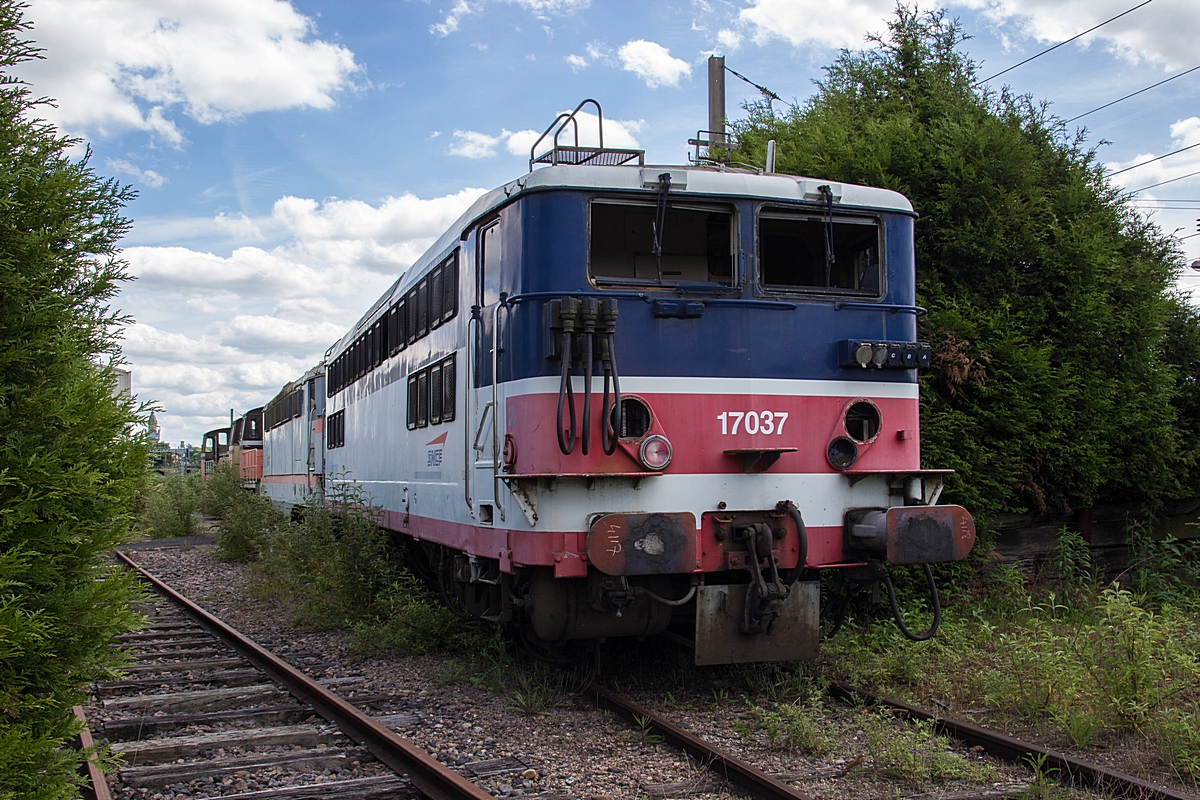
(655, 452)
(842, 453)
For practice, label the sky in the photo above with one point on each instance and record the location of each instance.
(293, 158)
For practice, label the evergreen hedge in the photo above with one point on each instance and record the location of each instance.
(1065, 365)
(70, 462)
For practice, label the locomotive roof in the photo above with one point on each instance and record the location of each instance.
(690, 180)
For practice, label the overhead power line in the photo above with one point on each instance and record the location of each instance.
(1060, 44)
(1157, 158)
(766, 92)
(1134, 94)
(1172, 180)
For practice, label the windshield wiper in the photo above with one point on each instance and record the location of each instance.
(660, 221)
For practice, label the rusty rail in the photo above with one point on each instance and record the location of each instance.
(426, 774)
(749, 778)
(1070, 770)
(96, 781)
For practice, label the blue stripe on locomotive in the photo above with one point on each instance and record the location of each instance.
(546, 234)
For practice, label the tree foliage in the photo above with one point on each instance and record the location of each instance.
(1065, 367)
(69, 463)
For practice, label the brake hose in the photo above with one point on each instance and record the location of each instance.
(610, 431)
(802, 558)
(937, 607)
(588, 312)
(566, 392)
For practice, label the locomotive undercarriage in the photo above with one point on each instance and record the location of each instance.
(749, 610)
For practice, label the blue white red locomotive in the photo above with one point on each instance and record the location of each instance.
(622, 400)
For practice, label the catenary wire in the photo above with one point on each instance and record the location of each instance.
(1160, 183)
(1156, 158)
(766, 92)
(1134, 94)
(1060, 44)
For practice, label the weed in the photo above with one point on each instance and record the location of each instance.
(798, 727)
(170, 507)
(915, 753)
(1177, 738)
(1070, 568)
(1043, 785)
(530, 690)
(1133, 657)
(1164, 569)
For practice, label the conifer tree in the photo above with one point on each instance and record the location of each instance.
(1065, 365)
(70, 459)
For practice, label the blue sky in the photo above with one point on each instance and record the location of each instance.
(293, 158)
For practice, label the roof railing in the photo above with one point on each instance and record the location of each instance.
(598, 156)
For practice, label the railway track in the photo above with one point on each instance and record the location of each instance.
(256, 714)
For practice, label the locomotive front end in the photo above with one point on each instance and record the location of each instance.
(730, 402)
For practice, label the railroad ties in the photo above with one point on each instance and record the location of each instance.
(194, 717)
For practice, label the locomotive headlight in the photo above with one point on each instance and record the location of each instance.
(655, 452)
(863, 354)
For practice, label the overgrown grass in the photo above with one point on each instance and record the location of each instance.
(337, 569)
(245, 520)
(170, 506)
(1087, 663)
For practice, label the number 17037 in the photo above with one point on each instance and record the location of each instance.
(752, 422)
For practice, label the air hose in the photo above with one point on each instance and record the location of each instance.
(588, 312)
(937, 607)
(610, 430)
(568, 313)
(802, 557)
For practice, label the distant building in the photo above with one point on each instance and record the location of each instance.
(124, 383)
(152, 428)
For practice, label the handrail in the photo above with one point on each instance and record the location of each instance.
(569, 118)
(892, 307)
(496, 457)
(468, 456)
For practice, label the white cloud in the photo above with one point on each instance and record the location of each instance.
(1183, 133)
(617, 133)
(596, 51)
(238, 226)
(728, 40)
(800, 22)
(473, 144)
(653, 63)
(113, 65)
(146, 176)
(1164, 33)
(216, 332)
(519, 143)
(448, 26)
(541, 9)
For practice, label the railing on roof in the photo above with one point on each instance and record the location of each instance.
(599, 155)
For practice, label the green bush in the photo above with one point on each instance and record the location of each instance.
(339, 569)
(1065, 367)
(71, 463)
(170, 506)
(244, 520)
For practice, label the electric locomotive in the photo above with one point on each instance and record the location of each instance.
(617, 399)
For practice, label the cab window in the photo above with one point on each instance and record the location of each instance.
(629, 245)
(816, 253)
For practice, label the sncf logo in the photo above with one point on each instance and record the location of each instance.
(434, 453)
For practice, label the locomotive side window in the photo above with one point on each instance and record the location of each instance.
(431, 395)
(692, 245)
(489, 261)
(335, 430)
(433, 301)
(811, 253)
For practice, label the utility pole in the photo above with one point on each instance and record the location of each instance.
(716, 106)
